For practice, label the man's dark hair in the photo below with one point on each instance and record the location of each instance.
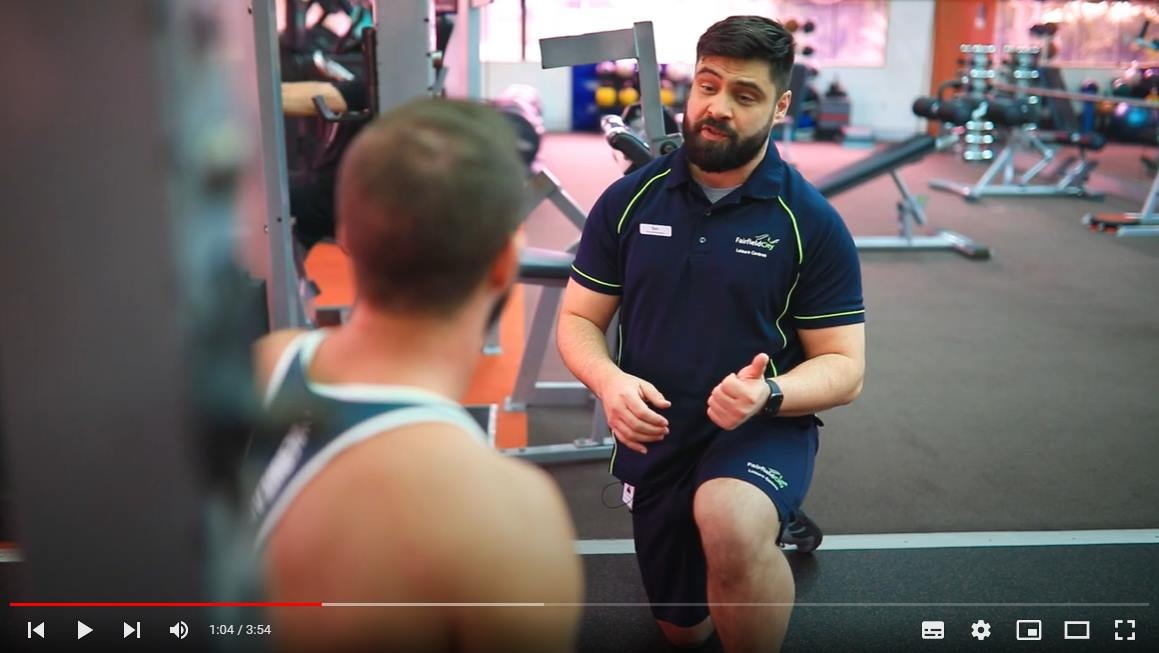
(428, 195)
(752, 37)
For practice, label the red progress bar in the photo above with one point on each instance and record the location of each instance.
(166, 605)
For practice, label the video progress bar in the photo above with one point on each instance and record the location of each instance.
(163, 604)
(803, 604)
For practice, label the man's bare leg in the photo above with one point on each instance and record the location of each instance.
(750, 585)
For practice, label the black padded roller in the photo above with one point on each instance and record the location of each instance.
(957, 111)
(1010, 112)
(926, 107)
(544, 265)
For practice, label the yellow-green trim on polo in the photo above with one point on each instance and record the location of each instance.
(822, 317)
(796, 231)
(800, 260)
(595, 280)
(788, 300)
(627, 209)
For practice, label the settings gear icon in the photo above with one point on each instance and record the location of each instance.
(980, 630)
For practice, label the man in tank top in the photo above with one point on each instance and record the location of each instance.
(377, 487)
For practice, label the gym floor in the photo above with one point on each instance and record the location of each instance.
(1011, 402)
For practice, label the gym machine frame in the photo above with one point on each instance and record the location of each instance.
(911, 213)
(638, 43)
(106, 434)
(1144, 223)
(405, 66)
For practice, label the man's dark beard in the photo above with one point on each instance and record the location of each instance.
(719, 156)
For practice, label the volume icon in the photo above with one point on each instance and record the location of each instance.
(179, 630)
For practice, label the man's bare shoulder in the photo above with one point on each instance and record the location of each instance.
(483, 511)
(449, 467)
(425, 514)
(268, 350)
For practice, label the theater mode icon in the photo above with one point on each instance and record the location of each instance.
(933, 630)
(1076, 630)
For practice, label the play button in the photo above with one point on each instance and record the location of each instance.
(82, 629)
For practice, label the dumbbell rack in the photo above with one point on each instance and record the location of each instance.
(977, 73)
(1022, 72)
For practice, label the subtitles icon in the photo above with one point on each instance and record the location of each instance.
(1076, 630)
(933, 630)
(179, 630)
(1029, 630)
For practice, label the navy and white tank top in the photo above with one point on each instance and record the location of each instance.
(311, 423)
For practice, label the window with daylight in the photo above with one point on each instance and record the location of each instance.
(844, 32)
(1090, 34)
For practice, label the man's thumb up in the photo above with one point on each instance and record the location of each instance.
(755, 369)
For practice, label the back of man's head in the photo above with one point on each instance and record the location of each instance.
(751, 37)
(427, 196)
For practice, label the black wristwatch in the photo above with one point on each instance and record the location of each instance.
(776, 397)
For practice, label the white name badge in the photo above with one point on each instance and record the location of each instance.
(656, 230)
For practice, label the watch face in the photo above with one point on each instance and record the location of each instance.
(775, 398)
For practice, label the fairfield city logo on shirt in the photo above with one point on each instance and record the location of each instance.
(763, 241)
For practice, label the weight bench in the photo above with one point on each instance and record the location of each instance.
(909, 209)
(551, 270)
(887, 161)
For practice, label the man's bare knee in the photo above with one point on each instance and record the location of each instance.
(687, 637)
(738, 528)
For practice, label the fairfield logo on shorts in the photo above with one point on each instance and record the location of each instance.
(761, 242)
(770, 475)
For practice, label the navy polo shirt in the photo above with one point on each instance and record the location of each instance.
(705, 287)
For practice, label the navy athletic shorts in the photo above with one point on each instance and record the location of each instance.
(775, 456)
